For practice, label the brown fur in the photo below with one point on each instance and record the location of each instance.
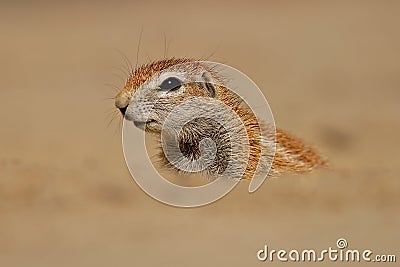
(292, 154)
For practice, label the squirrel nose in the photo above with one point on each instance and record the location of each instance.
(122, 102)
(123, 110)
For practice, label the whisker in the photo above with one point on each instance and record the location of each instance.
(120, 122)
(148, 57)
(110, 111)
(138, 48)
(166, 46)
(116, 88)
(119, 68)
(120, 77)
(112, 119)
(126, 60)
(212, 53)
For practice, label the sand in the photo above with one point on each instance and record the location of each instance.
(330, 72)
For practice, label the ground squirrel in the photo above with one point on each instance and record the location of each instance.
(159, 94)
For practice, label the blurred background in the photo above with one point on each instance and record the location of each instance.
(330, 71)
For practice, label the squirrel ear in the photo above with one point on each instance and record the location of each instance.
(209, 84)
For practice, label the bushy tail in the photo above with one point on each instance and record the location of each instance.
(293, 155)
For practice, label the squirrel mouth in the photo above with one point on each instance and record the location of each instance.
(143, 124)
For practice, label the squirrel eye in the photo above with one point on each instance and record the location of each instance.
(171, 83)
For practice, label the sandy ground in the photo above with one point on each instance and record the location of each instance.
(330, 72)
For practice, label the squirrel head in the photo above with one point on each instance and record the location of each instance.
(152, 91)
